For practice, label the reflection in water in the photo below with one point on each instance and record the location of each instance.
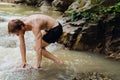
(75, 61)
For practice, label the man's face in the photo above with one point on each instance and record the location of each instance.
(17, 33)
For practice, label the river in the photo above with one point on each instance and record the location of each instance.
(74, 61)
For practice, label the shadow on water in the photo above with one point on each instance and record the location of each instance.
(74, 61)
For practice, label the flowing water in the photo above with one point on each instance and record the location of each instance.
(74, 61)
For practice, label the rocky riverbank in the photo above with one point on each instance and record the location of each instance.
(98, 32)
(99, 37)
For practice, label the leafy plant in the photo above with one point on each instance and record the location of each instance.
(88, 14)
(92, 14)
(114, 9)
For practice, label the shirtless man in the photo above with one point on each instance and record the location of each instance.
(45, 29)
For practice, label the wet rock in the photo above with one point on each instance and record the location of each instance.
(112, 37)
(101, 37)
(74, 6)
(29, 2)
(11, 1)
(71, 37)
(61, 5)
(32, 2)
(79, 5)
(91, 76)
(19, 1)
(89, 35)
(109, 2)
(77, 23)
(2, 20)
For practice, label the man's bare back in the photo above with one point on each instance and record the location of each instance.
(41, 21)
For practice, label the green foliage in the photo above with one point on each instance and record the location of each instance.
(75, 15)
(89, 14)
(114, 9)
(93, 14)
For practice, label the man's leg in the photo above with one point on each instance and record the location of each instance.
(48, 55)
(52, 57)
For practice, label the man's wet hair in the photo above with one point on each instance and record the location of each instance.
(15, 25)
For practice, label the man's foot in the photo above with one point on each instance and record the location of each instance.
(36, 66)
(59, 62)
(23, 65)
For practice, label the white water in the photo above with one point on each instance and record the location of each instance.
(75, 61)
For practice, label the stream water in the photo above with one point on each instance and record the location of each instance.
(74, 61)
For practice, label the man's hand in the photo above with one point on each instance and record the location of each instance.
(23, 65)
(36, 66)
(43, 32)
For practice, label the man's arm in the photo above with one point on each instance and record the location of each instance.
(38, 48)
(23, 50)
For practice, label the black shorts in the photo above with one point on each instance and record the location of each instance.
(53, 34)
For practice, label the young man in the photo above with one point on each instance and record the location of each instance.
(45, 29)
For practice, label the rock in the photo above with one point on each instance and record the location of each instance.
(2, 20)
(79, 5)
(90, 34)
(100, 37)
(91, 76)
(61, 5)
(10, 1)
(74, 6)
(19, 1)
(46, 3)
(109, 2)
(69, 36)
(75, 24)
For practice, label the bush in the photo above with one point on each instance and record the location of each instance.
(93, 14)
